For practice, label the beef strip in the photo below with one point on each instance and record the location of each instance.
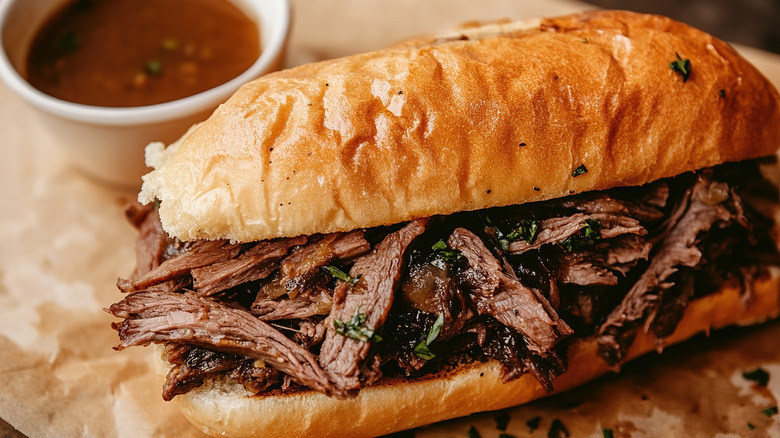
(150, 244)
(191, 367)
(335, 246)
(342, 357)
(300, 289)
(599, 265)
(604, 203)
(558, 229)
(676, 247)
(299, 307)
(200, 253)
(184, 317)
(255, 263)
(510, 302)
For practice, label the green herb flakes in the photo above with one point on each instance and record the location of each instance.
(356, 329)
(502, 421)
(448, 255)
(584, 40)
(759, 376)
(474, 433)
(153, 67)
(533, 423)
(587, 236)
(557, 430)
(421, 350)
(751, 427)
(341, 275)
(681, 66)
(607, 433)
(770, 411)
(527, 231)
(579, 170)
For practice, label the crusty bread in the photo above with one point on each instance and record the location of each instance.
(452, 125)
(223, 408)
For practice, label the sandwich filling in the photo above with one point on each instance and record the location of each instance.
(338, 312)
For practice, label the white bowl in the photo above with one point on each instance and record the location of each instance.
(108, 143)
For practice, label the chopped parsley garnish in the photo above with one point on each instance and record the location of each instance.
(770, 411)
(356, 329)
(557, 430)
(722, 93)
(579, 171)
(474, 433)
(681, 66)
(587, 236)
(584, 40)
(759, 375)
(153, 67)
(527, 231)
(449, 255)
(341, 275)
(502, 421)
(421, 350)
(533, 423)
(608, 433)
(751, 427)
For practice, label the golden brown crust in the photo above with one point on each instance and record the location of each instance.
(224, 409)
(392, 135)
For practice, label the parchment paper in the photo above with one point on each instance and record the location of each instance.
(65, 241)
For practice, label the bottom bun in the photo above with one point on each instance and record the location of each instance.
(223, 408)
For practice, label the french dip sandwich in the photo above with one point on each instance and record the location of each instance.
(454, 225)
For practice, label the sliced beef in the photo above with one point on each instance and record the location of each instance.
(500, 342)
(162, 317)
(676, 247)
(255, 263)
(342, 357)
(298, 307)
(300, 291)
(604, 203)
(342, 247)
(150, 244)
(556, 230)
(200, 253)
(191, 367)
(604, 264)
(510, 302)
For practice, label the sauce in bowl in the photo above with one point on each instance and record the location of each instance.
(122, 53)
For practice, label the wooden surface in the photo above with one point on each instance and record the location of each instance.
(65, 242)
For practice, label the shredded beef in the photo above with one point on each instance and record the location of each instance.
(277, 313)
(676, 247)
(558, 229)
(342, 357)
(253, 264)
(184, 317)
(510, 302)
(200, 253)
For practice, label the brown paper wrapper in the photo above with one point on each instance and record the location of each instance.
(65, 241)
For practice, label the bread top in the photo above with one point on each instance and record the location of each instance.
(463, 123)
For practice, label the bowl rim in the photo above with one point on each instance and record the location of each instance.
(279, 23)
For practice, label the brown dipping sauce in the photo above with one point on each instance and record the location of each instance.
(123, 53)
